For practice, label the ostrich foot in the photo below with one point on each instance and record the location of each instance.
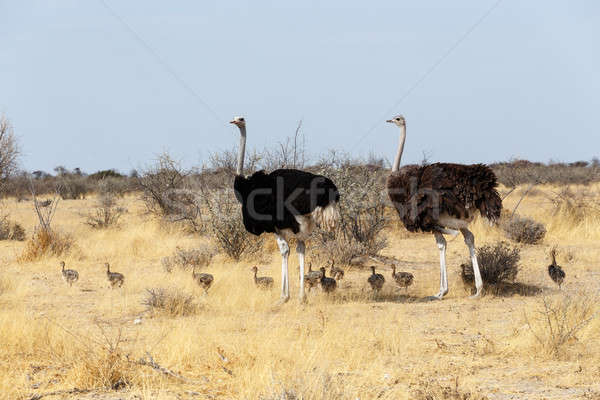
(282, 300)
(438, 296)
(477, 295)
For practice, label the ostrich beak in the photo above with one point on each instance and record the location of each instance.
(389, 121)
(232, 122)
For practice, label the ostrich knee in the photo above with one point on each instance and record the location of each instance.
(469, 238)
(284, 247)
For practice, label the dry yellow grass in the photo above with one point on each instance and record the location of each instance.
(240, 346)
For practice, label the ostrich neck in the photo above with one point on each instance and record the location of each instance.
(396, 166)
(242, 151)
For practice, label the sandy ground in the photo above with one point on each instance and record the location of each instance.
(349, 345)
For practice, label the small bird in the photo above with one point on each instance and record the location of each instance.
(555, 271)
(403, 279)
(203, 279)
(376, 280)
(335, 272)
(262, 282)
(312, 278)
(115, 278)
(69, 275)
(327, 284)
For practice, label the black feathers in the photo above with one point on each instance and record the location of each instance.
(270, 201)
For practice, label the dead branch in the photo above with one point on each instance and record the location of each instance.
(148, 361)
(45, 214)
(59, 392)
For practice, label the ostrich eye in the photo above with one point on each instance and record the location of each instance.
(241, 119)
(397, 119)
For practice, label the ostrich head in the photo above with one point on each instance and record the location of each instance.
(255, 269)
(107, 266)
(238, 121)
(62, 264)
(397, 120)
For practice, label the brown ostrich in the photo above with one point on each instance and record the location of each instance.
(204, 280)
(327, 284)
(376, 281)
(335, 272)
(443, 199)
(555, 271)
(403, 279)
(262, 282)
(312, 278)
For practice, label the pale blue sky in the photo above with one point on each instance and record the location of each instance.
(83, 91)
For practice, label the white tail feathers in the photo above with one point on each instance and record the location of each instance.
(327, 217)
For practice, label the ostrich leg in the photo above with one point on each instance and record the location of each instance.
(300, 249)
(284, 249)
(441, 243)
(470, 241)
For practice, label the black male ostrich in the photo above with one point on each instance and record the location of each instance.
(443, 199)
(286, 202)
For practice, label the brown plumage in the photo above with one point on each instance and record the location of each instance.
(312, 278)
(376, 280)
(327, 284)
(263, 282)
(115, 278)
(69, 275)
(403, 279)
(204, 280)
(555, 271)
(421, 194)
(335, 272)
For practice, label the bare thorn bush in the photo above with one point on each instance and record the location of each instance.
(104, 363)
(167, 192)
(576, 206)
(556, 323)
(106, 213)
(170, 302)
(523, 229)
(362, 209)
(187, 259)
(9, 153)
(498, 263)
(225, 223)
(10, 230)
(45, 241)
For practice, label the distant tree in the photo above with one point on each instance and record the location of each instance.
(106, 173)
(39, 174)
(9, 151)
(61, 171)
